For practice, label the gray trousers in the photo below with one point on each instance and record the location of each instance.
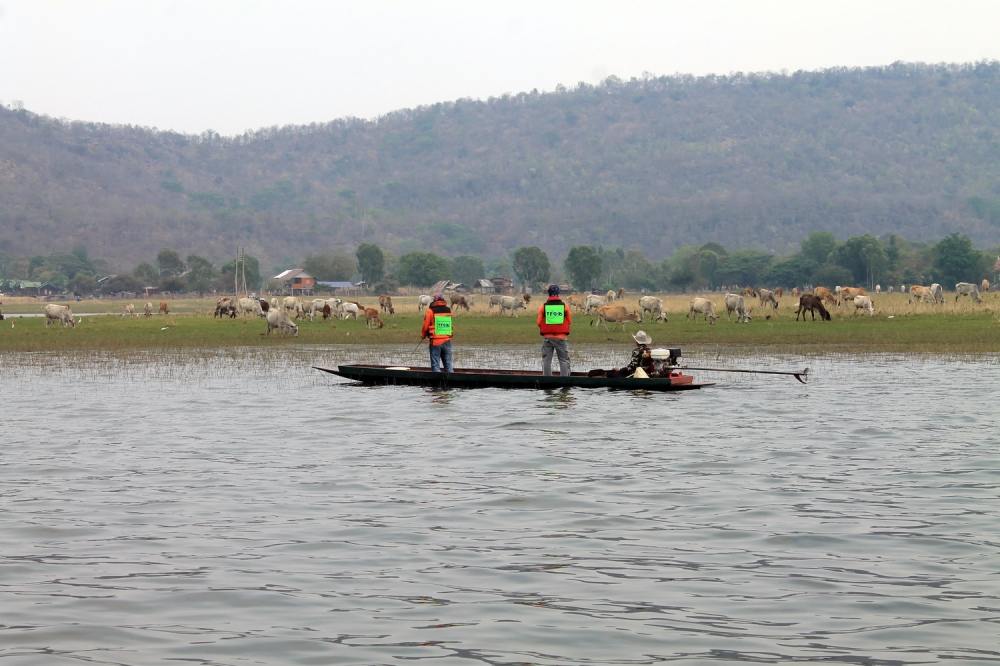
(550, 345)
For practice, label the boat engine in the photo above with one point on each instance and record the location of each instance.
(664, 359)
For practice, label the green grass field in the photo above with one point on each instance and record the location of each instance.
(953, 329)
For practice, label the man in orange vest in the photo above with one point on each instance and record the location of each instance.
(554, 320)
(438, 327)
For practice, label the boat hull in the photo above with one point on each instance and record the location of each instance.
(511, 379)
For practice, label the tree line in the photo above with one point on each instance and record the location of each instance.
(821, 259)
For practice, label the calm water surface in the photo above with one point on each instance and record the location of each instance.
(241, 508)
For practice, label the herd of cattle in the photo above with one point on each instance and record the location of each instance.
(280, 313)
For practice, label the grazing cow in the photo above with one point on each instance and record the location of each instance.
(847, 294)
(385, 304)
(812, 303)
(616, 314)
(985, 286)
(147, 310)
(372, 318)
(967, 289)
(878, 289)
(864, 303)
(937, 293)
(702, 306)
(315, 306)
(736, 303)
(767, 296)
(654, 306)
(129, 311)
(890, 289)
(796, 292)
(327, 311)
(277, 319)
(610, 296)
(575, 301)
(592, 302)
(621, 293)
(824, 294)
(226, 309)
(164, 308)
(779, 292)
(251, 306)
(526, 297)
(422, 302)
(512, 304)
(494, 301)
(59, 313)
(920, 293)
(350, 310)
(458, 301)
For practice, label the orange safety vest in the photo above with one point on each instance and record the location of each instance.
(438, 323)
(554, 317)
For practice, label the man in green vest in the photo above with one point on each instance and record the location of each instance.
(554, 320)
(438, 327)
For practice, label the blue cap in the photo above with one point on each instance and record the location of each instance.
(553, 290)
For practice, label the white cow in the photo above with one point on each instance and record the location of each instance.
(147, 310)
(937, 293)
(609, 297)
(736, 303)
(129, 310)
(702, 306)
(511, 303)
(250, 306)
(654, 306)
(349, 310)
(864, 303)
(878, 289)
(277, 319)
(767, 296)
(494, 301)
(60, 313)
(593, 302)
(423, 301)
(967, 289)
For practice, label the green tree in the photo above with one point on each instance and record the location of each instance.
(83, 284)
(830, 275)
(146, 274)
(817, 247)
(201, 274)
(371, 262)
(467, 269)
(121, 283)
(790, 272)
(744, 267)
(955, 260)
(864, 257)
(583, 264)
(531, 265)
(330, 266)
(422, 269)
(169, 264)
(251, 267)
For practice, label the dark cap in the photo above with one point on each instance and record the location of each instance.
(553, 290)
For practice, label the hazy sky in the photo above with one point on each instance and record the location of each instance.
(232, 65)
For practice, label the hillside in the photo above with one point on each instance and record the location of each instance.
(743, 160)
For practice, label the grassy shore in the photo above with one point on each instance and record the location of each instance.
(897, 326)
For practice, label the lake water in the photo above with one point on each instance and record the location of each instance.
(238, 507)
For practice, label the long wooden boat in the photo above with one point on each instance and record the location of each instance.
(511, 379)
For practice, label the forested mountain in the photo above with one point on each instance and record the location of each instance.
(743, 160)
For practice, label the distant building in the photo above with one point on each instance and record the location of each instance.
(484, 286)
(502, 285)
(344, 288)
(296, 282)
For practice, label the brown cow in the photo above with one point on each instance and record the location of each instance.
(847, 294)
(385, 304)
(616, 314)
(824, 294)
(372, 318)
(164, 308)
(779, 292)
(921, 294)
(459, 301)
(811, 302)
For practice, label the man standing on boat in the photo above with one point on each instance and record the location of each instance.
(554, 320)
(438, 327)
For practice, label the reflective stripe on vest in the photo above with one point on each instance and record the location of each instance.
(555, 314)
